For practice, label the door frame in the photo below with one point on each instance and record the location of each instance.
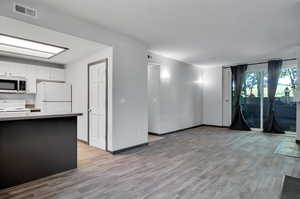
(106, 100)
(226, 102)
(158, 65)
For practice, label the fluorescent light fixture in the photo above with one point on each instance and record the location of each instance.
(26, 47)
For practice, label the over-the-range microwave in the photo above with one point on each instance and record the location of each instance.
(12, 85)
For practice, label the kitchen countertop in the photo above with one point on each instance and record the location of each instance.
(4, 116)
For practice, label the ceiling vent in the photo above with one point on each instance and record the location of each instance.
(25, 10)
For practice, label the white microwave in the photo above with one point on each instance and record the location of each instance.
(12, 85)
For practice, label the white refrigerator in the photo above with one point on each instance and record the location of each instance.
(54, 97)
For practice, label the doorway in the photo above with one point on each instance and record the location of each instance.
(153, 98)
(97, 104)
(154, 102)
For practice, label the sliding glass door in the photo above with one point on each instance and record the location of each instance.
(284, 104)
(251, 99)
(254, 99)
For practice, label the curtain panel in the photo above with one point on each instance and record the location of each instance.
(238, 120)
(271, 124)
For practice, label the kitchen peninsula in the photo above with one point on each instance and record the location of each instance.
(36, 145)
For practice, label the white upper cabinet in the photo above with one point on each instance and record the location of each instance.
(18, 70)
(57, 74)
(31, 73)
(8, 70)
(3, 70)
(12, 69)
(50, 74)
(43, 73)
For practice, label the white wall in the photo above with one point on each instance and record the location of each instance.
(180, 98)
(129, 78)
(29, 98)
(212, 97)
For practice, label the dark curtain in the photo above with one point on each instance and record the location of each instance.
(238, 120)
(270, 124)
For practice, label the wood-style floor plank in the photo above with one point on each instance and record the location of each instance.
(201, 163)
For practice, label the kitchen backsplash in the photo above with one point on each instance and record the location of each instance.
(30, 98)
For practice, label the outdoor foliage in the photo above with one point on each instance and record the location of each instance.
(287, 83)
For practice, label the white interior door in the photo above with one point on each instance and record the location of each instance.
(97, 105)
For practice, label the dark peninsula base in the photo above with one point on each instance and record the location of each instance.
(35, 148)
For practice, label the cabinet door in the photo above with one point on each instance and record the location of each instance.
(43, 73)
(3, 70)
(31, 76)
(10, 70)
(57, 74)
(31, 85)
(18, 70)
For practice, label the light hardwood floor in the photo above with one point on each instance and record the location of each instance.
(153, 138)
(201, 163)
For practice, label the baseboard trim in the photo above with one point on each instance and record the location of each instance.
(298, 141)
(216, 126)
(82, 141)
(128, 148)
(177, 131)
(184, 129)
(153, 133)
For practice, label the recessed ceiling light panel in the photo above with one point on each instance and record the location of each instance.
(26, 47)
